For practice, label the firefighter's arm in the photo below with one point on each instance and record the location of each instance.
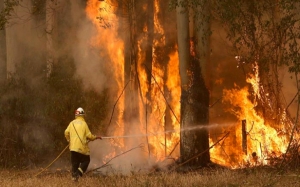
(94, 137)
(89, 135)
(67, 133)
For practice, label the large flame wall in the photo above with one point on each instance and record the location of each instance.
(261, 139)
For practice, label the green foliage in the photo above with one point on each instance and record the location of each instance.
(262, 31)
(33, 117)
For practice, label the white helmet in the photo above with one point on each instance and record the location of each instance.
(79, 112)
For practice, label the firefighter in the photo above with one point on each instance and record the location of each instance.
(78, 135)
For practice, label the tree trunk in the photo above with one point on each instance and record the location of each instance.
(183, 45)
(131, 110)
(50, 34)
(3, 73)
(186, 137)
(202, 35)
(202, 80)
(27, 58)
(149, 45)
(148, 61)
(194, 95)
(198, 102)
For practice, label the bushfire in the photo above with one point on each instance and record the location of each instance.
(250, 141)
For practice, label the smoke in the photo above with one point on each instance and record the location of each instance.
(25, 44)
(90, 63)
(289, 89)
(24, 49)
(225, 73)
(118, 160)
(95, 54)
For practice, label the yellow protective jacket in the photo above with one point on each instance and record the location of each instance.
(78, 135)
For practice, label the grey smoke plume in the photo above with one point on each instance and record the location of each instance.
(88, 58)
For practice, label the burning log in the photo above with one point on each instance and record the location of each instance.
(244, 136)
(255, 158)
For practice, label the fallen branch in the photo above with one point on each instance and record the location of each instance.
(106, 164)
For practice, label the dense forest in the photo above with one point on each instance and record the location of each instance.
(194, 82)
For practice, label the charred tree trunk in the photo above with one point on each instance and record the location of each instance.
(201, 81)
(3, 71)
(186, 138)
(194, 113)
(202, 34)
(194, 96)
(197, 105)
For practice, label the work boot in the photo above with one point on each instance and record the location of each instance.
(80, 172)
(75, 179)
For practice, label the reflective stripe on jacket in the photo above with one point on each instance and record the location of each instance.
(78, 134)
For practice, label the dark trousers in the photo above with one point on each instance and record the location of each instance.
(81, 161)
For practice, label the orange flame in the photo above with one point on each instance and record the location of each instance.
(107, 36)
(108, 41)
(262, 139)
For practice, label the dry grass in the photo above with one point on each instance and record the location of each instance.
(206, 178)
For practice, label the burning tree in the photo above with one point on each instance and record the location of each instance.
(150, 77)
(265, 39)
(160, 78)
(194, 93)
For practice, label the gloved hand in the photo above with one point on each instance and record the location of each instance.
(99, 137)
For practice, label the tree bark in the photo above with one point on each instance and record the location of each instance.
(194, 94)
(186, 137)
(50, 34)
(183, 44)
(3, 68)
(202, 79)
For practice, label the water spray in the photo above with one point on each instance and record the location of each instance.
(146, 135)
(167, 132)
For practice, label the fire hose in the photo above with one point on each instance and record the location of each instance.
(116, 137)
(107, 137)
(53, 161)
